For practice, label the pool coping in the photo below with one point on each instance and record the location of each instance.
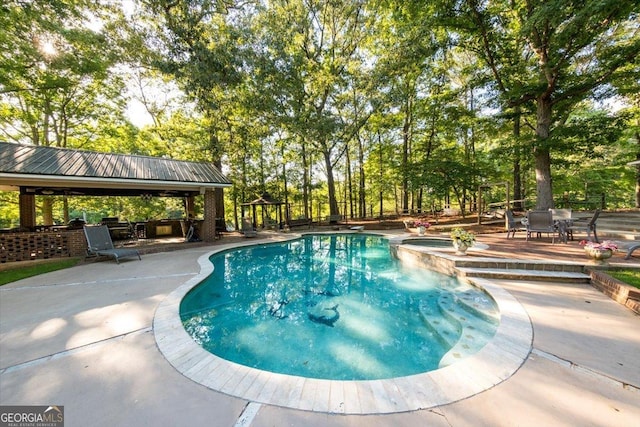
(493, 364)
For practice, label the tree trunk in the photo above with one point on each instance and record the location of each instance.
(542, 155)
(638, 172)
(362, 202)
(331, 184)
(65, 209)
(216, 159)
(306, 182)
(406, 137)
(517, 178)
(47, 210)
(348, 188)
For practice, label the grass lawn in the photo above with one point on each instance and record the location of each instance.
(17, 273)
(630, 277)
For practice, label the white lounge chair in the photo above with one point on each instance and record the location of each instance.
(99, 243)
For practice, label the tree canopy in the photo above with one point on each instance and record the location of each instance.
(361, 108)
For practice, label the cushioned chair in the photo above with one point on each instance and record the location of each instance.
(513, 225)
(99, 243)
(587, 226)
(541, 222)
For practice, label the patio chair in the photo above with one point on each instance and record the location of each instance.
(541, 222)
(99, 243)
(588, 227)
(513, 225)
(630, 250)
(561, 214)
(563, 220)
(247, 228)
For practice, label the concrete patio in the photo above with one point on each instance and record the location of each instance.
(83, 338)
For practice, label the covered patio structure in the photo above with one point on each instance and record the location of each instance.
(266, 203)
(39, 170)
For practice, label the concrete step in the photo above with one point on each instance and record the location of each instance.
(621, 225)
(613, 234)
(521, 274)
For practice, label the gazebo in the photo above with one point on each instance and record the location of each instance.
(39, 170)
(267, 204)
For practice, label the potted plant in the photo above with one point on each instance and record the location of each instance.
(462, 240)
(422, 227)
(599, 252)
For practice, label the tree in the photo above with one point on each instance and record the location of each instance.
(56, 88)
(572, 49)
(197, 43)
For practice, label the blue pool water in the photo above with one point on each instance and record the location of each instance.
(334, 307)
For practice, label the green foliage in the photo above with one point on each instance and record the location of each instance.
(630, 277)
(347, 105)
(20, 272)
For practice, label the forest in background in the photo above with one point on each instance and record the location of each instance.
(359, 108)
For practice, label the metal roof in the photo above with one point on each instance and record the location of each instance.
(30, 165)
(265, 199)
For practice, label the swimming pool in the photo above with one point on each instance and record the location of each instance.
(494, 363)
(335, 307)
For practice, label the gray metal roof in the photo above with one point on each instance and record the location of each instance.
(24, 164)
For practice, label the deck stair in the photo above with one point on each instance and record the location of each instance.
(495, 268)
(616, 225)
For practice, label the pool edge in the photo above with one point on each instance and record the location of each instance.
(493, 364)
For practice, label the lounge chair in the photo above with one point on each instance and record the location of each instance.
(589, 226)
(99, 243)
(247, 228)
(513, 225)
(541, 222)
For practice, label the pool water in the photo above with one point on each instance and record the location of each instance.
(333, 307)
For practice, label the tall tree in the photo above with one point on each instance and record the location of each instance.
(572, 49)
(196, 42)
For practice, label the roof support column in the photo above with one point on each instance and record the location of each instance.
(27, 211)
(209, 224)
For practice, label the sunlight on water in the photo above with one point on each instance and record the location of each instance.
(323, 306)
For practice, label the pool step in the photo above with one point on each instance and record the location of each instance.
(455, 323)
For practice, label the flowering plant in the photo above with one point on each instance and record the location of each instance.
(606, 245)
(417, 223)
(462, 236)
